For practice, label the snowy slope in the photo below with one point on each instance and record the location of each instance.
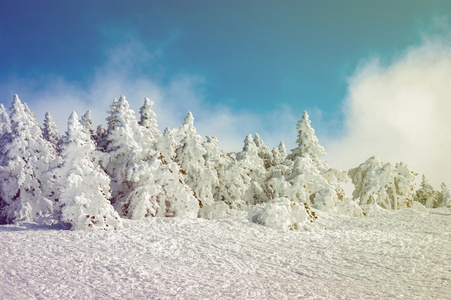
(404, 254)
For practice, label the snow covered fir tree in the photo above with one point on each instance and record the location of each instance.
(27, 185)
(94, 179)
(83, 188)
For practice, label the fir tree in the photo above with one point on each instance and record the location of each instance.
(263, 151)
(159, 191)
(216, 160)
(276, 157)
(378, 183)
(5, 124)
(86, 122)
(26, 186)
(282, 150)
(83, 187)
(50, 131)
(167, 145)
(426, 194)
(310, 187)
(279, 154)
(277, 177)
(190, 156)
(444, 199)
(100, 137)
(277, 184)
(149, 118)
(307, 143)
(139, 177)
(308, 146)
(126, 144)
(252, 166)
(235, 182)
(5, 130)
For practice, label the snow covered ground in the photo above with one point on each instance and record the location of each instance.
(386, 255)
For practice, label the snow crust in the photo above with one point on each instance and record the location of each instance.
(387, 255)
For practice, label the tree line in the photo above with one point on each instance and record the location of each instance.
(94, 178)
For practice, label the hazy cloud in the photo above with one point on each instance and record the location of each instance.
(401, 111)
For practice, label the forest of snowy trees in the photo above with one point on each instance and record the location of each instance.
(94, 178)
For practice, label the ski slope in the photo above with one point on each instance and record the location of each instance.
(385, 255)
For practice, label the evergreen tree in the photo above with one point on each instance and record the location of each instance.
(235, 182)
(277, 176)
(5, 124)
(190, 156)
(149, 118)
(310, 187)
(5, 130)
(233, 179)
(167, 144)
(51, 132)
(86, 122)
(250, 151)
(378, 183)
(159, 191)
(279, 154)
(126, 144)
(277, 184)
(444, 199)
(282, 150)
(139, 178)
(83, 187)
(276, 157)
(263, 151)
(26, 186)
(215, 159)
(426, 194)
(308, 143)
(253, 167)
(100, 137)
(308, 146)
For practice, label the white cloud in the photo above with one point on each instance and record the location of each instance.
(400, 112)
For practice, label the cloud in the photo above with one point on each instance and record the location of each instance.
(132, 70)
(401, 111)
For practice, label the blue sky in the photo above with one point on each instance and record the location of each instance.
(252, 54)
(263, 61)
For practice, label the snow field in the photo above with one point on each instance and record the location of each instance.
(386, 255)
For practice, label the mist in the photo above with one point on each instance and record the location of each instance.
(400, 111)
